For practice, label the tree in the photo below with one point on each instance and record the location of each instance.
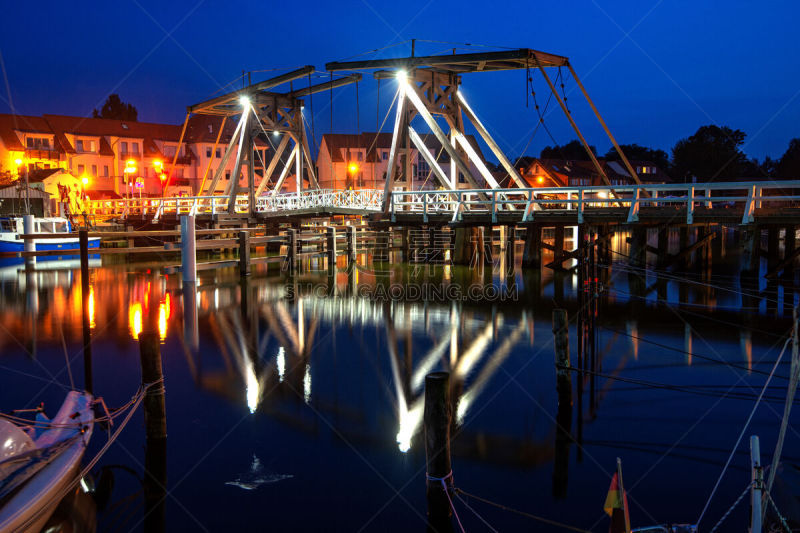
(115, 108)
(712, 152)
(573, 150)
(788, 166)
(640, 153)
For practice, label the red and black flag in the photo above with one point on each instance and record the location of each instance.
(616, 507)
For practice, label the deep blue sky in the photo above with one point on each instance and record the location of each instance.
(656, 70)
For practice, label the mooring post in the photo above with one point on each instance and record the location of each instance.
(750, 249)
(532, 254)
(757, 485)
(155, 420)
(436, 420)
(663, 245)
(561, 341)
(244, 253)
(291, 248)
(351, 244)
(406, 244)
(331, 248)
(773, 254)
(188, 250)
(511, 246)
(638, 249)
(155, 414)
(83, 241)
(29, 245)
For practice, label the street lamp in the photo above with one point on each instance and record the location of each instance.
(129, 171)
(18, 161)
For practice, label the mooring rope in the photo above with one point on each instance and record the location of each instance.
(731, 508)
(522, 513)
(446, 489)
(777, 512)
(741, 434)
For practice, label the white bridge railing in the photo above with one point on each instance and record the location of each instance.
(747, 196)
(368, 200)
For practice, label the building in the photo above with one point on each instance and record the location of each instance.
(572, 173)
(360, 161)
(121, 158)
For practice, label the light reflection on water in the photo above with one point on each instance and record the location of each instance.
(248, 348)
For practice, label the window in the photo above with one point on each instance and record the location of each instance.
(360, 156)
(123, 147)
(169, 151)
(135, 147)
(30, 142)
(210, 128)
(80, 169)
(208, 150)
(79, 145)
(423, 169)
(91, 146)
(227, 174)
(217, 154)
(94, 170)
(105, 170)
(461, 178)
(385, 155)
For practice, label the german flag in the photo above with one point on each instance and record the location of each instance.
(616, 507)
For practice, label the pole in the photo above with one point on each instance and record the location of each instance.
(188, 251)
(624, 496)
(244, 253)
(436, 420)
(155, 419)
(83, 239)
(331, 248)
(30, 244)
(757, 487)
(561, 341)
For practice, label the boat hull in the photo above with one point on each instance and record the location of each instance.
(33, 504)
(15, 247)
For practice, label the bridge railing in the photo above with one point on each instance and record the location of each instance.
(363, 199)
(747, 196)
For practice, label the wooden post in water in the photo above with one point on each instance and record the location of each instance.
(757, 487)
(351, 244)
(564, 414)
(511, 247)
(244, 253)
(155, 420)
(638, 255)
(773, 254)
(188, 250)
(30, 245)
(331, 248)
(83, 241)
(155, 414)
(291, 249)
(436, 420)
(532, 254)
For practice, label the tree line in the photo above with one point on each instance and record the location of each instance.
(712, 153)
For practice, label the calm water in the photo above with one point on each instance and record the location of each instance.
(296, 403)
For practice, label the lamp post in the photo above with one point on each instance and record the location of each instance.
(158, 165)
(129, 171)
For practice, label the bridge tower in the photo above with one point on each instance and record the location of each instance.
(276, 116)
(429, 86)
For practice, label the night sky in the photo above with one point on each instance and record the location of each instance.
(657, 70)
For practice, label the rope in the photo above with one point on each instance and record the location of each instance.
(522, 513)
(777, 512)
(462, 500)
(732, 507)
(66, 357)
(741, 434)
(446, 489)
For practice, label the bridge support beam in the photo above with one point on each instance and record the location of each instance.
(773, 244)
(750, 250)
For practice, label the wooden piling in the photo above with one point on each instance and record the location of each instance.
(750, 250)
(561, 341)
(83, 241)
(330, 241)
(30, 245)
(511, 246)
(188, 250)
(436, 420)
(291, 249)
(155, 414)
(773, 252)
(244, 253)
(532, 254)
(663, 245)
(638, 249)
(351, 244)
(558, 244)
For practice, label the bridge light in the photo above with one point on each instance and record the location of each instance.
(402, 75)
(158, 164)
(540, 180)
(85, 181)
(18, 161)
(163, 177)
(352, 168)
(244, 100)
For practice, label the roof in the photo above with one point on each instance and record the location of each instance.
(336, 142)
(26, 123)
(42, 174)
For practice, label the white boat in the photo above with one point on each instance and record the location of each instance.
(12, 227)
(36, 473)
